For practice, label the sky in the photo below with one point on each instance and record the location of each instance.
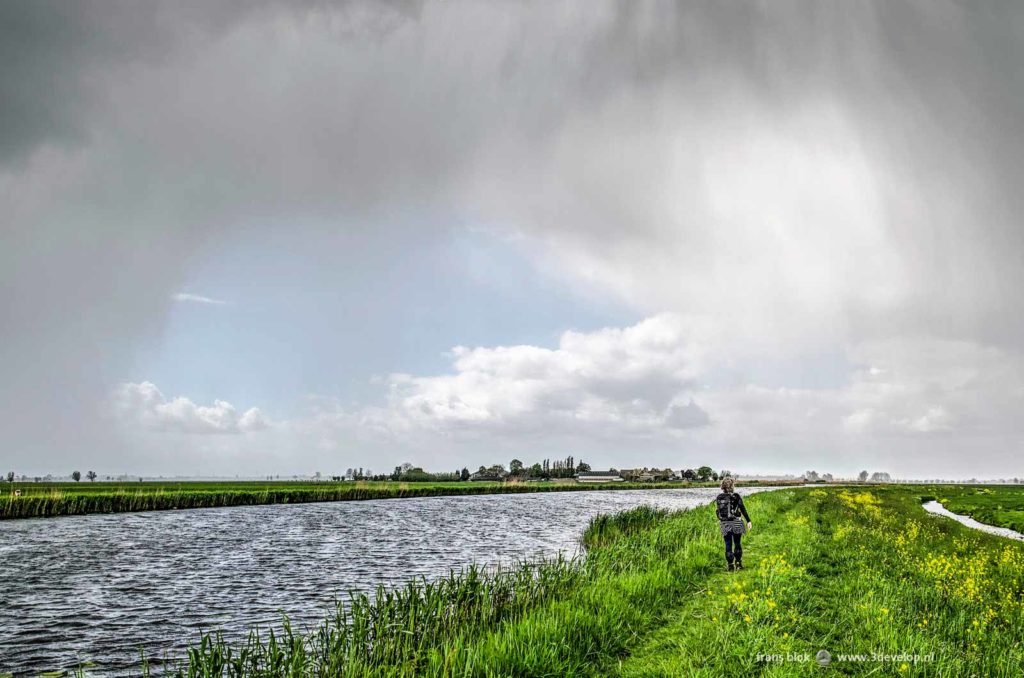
(275, 238)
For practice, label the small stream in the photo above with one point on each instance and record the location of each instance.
(940, 510)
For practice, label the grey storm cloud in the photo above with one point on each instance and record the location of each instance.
(135, 134)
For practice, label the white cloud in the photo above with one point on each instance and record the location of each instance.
(637, 380)
(143, 405)
(196, 299)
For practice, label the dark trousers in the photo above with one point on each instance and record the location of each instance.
(733, 549)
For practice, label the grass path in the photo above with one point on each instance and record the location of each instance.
(706, 635)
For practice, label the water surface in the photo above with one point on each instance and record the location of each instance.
(99, 587)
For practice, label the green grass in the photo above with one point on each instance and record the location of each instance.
(62, 499)
(1000, 505)
(859, 571)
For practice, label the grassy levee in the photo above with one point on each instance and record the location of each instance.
(64, 499)
(999, 505)
(853, 571)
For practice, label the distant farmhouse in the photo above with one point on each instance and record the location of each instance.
(598, 477)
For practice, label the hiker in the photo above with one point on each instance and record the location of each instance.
(731, 516)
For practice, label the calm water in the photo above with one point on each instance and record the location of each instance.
(99, 587)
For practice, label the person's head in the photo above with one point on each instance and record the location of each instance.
(727, 484)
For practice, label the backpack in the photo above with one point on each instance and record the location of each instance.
(725, 507)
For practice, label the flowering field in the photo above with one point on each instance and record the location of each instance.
(851, 581)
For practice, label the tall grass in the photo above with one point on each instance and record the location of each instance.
(390, 632)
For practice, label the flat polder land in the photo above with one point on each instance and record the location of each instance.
(34, 500)
(853, 580)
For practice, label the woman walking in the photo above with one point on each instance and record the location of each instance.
(733, 521)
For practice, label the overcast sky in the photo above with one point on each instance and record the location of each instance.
(247, 237)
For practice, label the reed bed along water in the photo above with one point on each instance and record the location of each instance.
(864, 574)
(64, 499)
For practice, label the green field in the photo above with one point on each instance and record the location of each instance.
(62, 499)
(1000, 505)
(854, 571)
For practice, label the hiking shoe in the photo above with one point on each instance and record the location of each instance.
(739, 565)
(731, 567)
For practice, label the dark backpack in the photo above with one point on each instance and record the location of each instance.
(726, 506)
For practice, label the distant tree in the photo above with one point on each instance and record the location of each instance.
(536, 471)
(464, 474)
(724, 472)
(862, 476)
(515, 467)
(418, 475)
(704, 473)
(406, 467)
(714, 476)
(582, 467)
(91, 475)
(317, 475)
(689, 474)
(881, 477)
(811, 476)
(827, 477)
(397, 473)
(77, 475)
(482, 469)
(10, 476)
